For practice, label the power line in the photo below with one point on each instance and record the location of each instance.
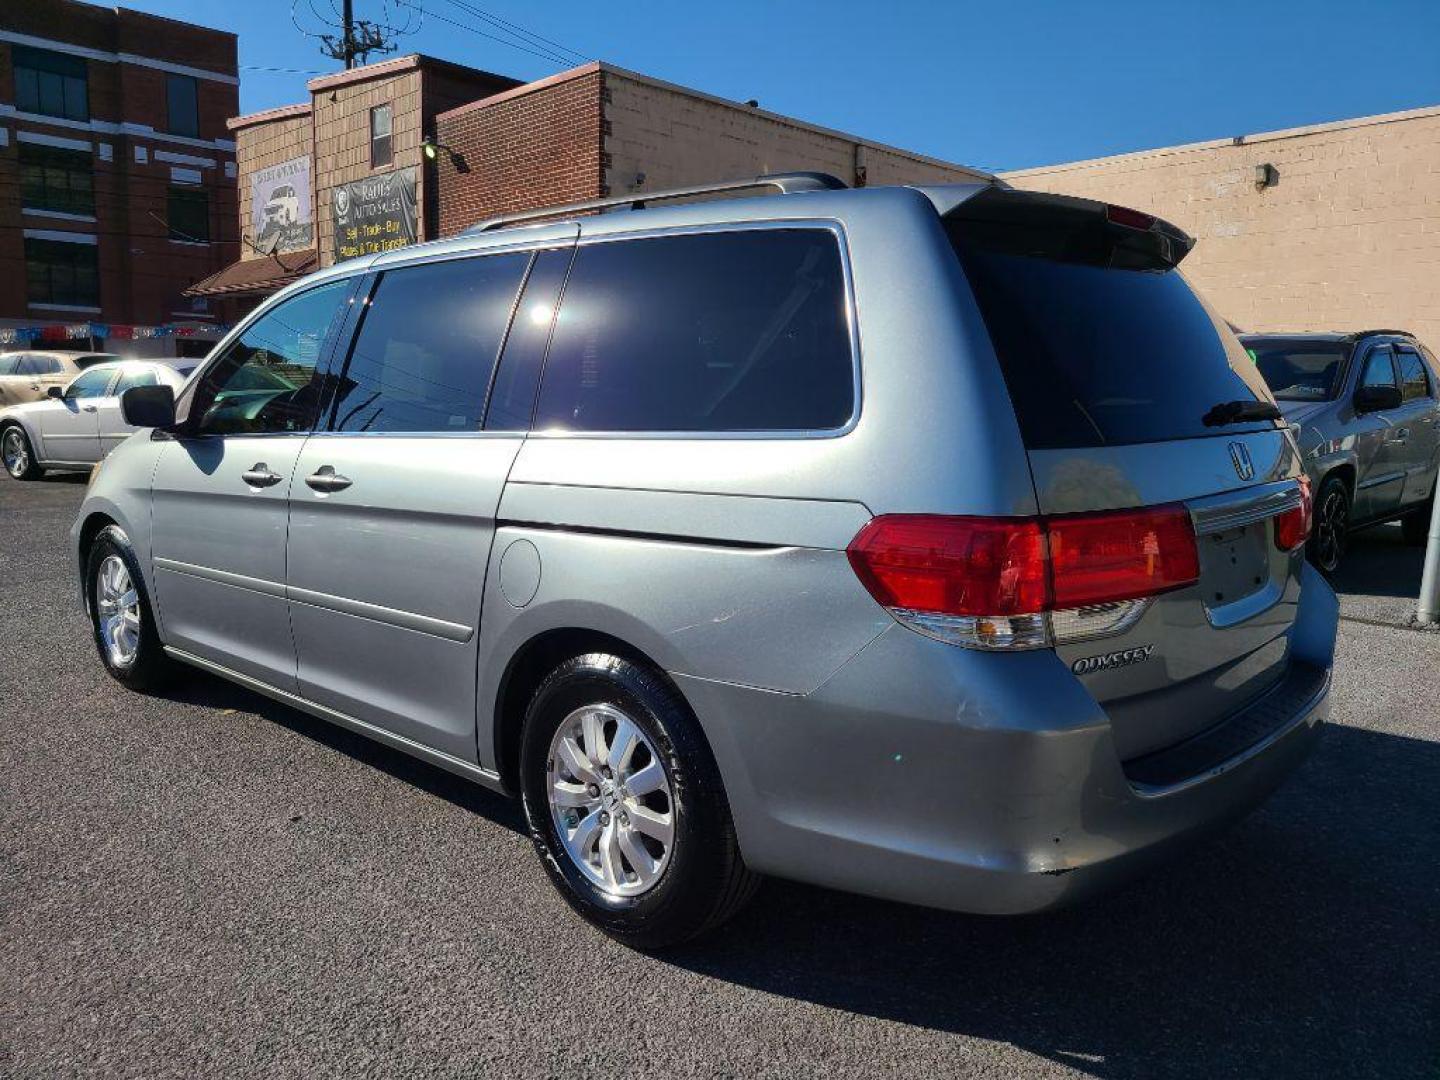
(551, 57)
(517, 30)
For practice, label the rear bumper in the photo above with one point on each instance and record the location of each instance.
(989, 783)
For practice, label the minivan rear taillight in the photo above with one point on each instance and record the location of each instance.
(1024, 583)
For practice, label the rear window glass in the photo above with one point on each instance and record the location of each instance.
(1297, 369)
(1094, 355)
(1413, 381)
(731, 331)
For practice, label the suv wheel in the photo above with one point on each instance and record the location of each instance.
(121, 618)
(1332, 525)
(1415, 526)
(625, 804)
(18, 457)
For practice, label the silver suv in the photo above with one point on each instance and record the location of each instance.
(932, 543)
(1365, 411)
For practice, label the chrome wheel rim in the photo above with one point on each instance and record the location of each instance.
(1330, 526)
(16, 453)
(117, 606)
(610, 800)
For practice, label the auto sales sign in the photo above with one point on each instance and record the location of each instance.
(281, 213)
(374, 215)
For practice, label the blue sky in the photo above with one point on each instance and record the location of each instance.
(999, 84)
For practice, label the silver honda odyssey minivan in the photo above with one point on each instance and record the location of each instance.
(934, 543)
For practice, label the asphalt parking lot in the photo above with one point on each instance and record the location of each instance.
(207, 883)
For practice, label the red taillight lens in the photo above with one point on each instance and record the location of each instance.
(1123, 215)
(1103, 558)
(1292, 528)
(1019, 566)
(953, 565)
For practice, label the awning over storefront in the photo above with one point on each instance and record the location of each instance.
(256, 277)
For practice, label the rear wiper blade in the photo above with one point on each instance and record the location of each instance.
(1240, 412)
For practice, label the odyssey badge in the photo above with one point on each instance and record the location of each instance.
(1123, 658)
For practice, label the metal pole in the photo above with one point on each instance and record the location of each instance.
(348, 18)
(1429, 610)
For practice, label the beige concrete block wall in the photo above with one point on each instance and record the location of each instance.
(259, 146)
(1348, 239)
(342, 147)
(677, 137)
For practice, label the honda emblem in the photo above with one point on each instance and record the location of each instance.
(1241, 458)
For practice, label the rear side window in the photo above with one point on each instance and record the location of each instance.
(427, 346)
(39, 365)
(1413, 381)
(7, 364)
(135, 377)
(724, 332)
(1094, 354)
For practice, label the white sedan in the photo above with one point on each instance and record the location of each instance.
(75, 427)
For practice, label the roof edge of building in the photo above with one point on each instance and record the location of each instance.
(1278, 135)
(409, 62)
(265, 116)
(521, 90)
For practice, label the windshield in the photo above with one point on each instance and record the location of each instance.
(1094, 355)
(1299, 369)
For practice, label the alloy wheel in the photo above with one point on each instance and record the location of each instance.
(1330, 526)
(117, 606)
(610, 800)
(15, 452)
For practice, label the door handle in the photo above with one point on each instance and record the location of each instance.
(88, 408)
(1401, 434)
(325, 479)
(260, 476)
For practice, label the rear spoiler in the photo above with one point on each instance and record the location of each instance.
(1069, 229)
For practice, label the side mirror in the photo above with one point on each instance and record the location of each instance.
(148, 406)
(56, 392)
(1377, 398)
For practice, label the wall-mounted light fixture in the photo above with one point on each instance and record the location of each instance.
(1266, 176)
(432, 150)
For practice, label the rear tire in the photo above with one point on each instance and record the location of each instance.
(122, 622)
(18, 454)
(649, 853)
(1415, 526)
(1332, 525)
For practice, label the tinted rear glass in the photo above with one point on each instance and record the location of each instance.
(1299, 369)
(1097, 356)
(728, 331)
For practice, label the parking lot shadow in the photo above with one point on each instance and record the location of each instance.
(1302, 943)
(1378, 562)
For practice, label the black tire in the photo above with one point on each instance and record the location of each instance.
(1330, 535)
(19, 455)
(149, 667)
(705, 881)
(1415, 526)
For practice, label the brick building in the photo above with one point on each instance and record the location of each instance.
(117, 173)
(578, 135)
(600, 130)
(1328, 227)
(360, 130)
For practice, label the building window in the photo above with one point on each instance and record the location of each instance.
(381, 152)
(182, 95)
(189, 215)
(62, 273)
(50, 83)
(56, 179)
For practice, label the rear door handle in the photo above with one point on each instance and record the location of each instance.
(88, 408)
(260, 476)
(325, 479)
(1401, 434)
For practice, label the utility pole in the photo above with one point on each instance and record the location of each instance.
(348, 19)
(357, 39)
(1429, 609)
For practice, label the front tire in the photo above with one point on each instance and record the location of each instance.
(18, 455)
(626, 806)
(1332, 525)
(122, 621)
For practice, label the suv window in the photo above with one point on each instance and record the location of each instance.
(731, 331)
(265, 381)
(1379, 371)
(91, 384)
(1297, 369)
(1413, 381)
(38, 365)
(427, 345)
(135, 377)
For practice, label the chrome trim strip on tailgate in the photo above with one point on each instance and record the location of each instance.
(1236, 509)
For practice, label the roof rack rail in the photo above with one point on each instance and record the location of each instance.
(785, 183)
